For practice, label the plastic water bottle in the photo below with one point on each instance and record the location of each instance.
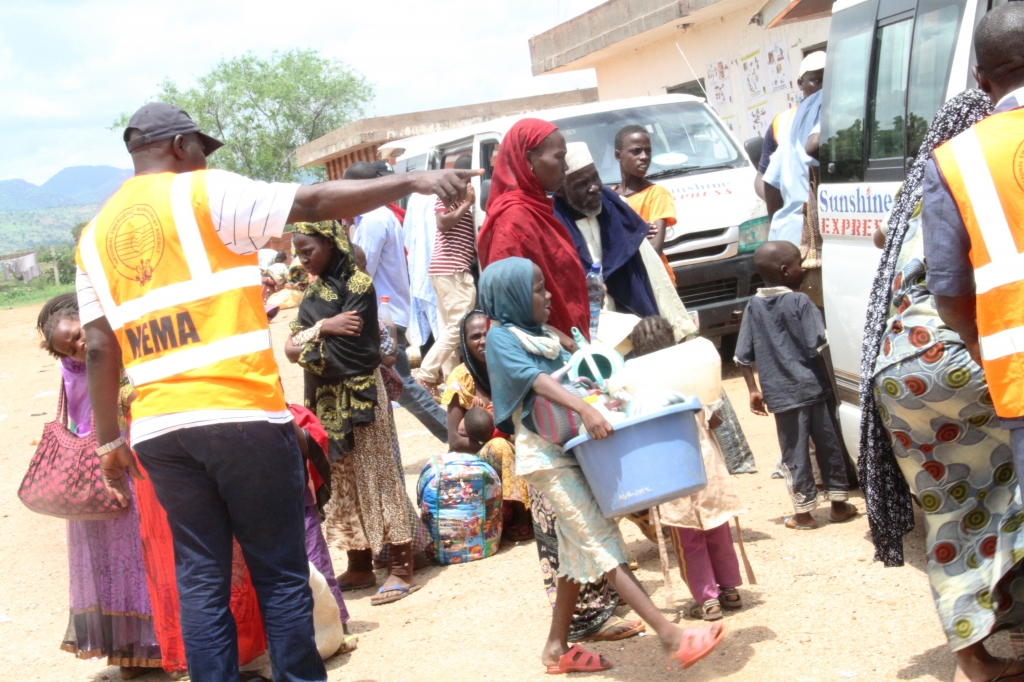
(384, 311)
(595, 291)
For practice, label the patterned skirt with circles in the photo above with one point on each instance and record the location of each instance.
(959, 465)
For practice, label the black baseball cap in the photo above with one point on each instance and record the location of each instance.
(383, 168)
(160, 121)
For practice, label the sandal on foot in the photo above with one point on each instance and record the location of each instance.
(431, 388)
(704, 612)
(730, 599)
(603, 635)
(960, 676)
(698, 643)
(793, 525)
(851, 512)
(578, 660)
(403, 592)
(349, 644)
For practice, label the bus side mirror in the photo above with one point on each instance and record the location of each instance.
(753, 148)
(485, 191)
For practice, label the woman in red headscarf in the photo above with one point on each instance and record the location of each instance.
(521, 220)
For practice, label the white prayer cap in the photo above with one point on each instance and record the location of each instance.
(577, 155)
(815, 61)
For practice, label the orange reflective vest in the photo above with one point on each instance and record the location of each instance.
(984, 169)
(187, 311)
(782, 123)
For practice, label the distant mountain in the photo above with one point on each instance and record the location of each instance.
(72, 186)
(18, 195)
(87, 184)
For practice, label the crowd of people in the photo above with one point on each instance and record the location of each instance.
(166, 357)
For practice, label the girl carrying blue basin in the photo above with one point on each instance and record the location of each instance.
(522, 354)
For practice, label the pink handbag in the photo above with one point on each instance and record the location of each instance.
(64, 478)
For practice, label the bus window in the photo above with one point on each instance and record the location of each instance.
(888, 91)
(937, 24)
(845, 93)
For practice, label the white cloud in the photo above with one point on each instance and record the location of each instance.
(67, 69)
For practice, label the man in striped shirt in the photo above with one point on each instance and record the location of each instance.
(454, 251)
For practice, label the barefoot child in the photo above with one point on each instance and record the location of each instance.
(522, 354)
(699, 523)
(784, 334)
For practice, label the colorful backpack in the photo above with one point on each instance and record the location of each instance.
(459, 496)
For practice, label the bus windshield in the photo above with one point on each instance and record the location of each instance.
(685, 138)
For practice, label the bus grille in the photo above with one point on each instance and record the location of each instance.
(706, 293)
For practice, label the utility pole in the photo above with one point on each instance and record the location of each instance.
(56, 272)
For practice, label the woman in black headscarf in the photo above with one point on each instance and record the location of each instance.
(468, 386)
(336, 339)
(928, 428)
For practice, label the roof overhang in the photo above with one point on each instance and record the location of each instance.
(619, 26)
(371, 132)
(781, 12)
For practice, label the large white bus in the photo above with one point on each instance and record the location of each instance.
(891, 65)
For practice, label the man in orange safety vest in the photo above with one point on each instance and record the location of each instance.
(169, 289)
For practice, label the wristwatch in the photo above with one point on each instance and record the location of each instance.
(109, 447)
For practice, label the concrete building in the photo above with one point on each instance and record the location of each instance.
(360, 140)
(744, 54)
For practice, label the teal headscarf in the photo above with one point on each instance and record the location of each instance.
(506, 295)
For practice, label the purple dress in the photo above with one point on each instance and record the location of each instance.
(110, 611)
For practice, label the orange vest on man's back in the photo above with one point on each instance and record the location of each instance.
(984, 169)
(187, 311)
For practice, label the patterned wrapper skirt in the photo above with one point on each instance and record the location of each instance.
(110, 609)
(597, 601)
(958, 463)
(369, 506)
(501, 455)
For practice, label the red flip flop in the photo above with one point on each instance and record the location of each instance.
(698, 643)
(578, 660)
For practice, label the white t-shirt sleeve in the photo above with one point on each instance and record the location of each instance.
(89, 308)
(248, 213)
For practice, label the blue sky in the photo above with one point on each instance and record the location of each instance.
(67, 69)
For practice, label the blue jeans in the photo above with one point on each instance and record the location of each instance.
(244, 479)
(416, 399)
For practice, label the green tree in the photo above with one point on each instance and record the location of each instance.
(263, 109)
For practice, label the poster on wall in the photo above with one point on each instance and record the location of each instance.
(759, 117)
(720, 94)
(753, 79)
(793, 98)
(777, 67)
(718, 71)
(730, 123)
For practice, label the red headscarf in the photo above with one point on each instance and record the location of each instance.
(521, 222)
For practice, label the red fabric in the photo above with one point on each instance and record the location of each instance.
(521, 222)
(399, 213)
(307, 420)
(158, 556)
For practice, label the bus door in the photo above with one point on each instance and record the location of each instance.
(896, 58)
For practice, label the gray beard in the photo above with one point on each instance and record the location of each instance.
(589, 214)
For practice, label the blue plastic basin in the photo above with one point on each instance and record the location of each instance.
(648, 460)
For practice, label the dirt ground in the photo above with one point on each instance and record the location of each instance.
(821, 609)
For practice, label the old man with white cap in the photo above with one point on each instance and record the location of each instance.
(606, 230)
(789, 168)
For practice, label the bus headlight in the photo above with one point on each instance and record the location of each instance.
(753, 233)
